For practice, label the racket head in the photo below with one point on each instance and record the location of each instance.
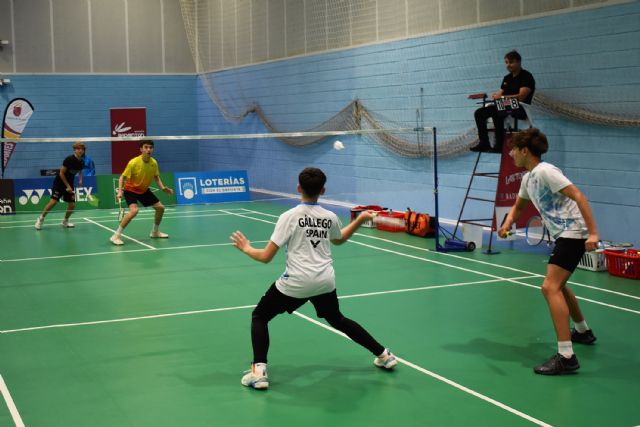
(535, 231)
(93, 200)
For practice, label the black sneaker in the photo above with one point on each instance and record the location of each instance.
(496, 150)
(558, 365)
(585, 337)
(483, 148)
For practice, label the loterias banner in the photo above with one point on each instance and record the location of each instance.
(16, 116)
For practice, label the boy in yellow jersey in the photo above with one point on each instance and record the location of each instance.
(138, 174)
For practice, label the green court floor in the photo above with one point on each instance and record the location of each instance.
(156, 332)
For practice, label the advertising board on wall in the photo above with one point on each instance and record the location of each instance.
(211, 187)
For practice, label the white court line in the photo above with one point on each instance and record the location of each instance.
(489, 275)
(517, 270)
(461, 268)
(112, 219)
(111, 213)
(9, 401)
(211, 310)
(125, 319)
(438, 377)
(172, 248)
(123, 235)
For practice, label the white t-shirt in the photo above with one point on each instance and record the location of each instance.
(560, 214)
(307, 230)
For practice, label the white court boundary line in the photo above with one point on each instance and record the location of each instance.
(123, 235)
(9, 401)
(112, 219)
(447, 254)
(172, 248)
(460, 268)
(213, 310)
(108, 214)
(438, 377)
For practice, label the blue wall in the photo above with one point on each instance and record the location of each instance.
(591, 58)
(79, 106)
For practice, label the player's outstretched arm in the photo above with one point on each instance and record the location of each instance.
(351, 228)
(264, 255)
(162, 186)
(120, 185)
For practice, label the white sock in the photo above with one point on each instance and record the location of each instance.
(119, 231)
(565, 348)
(384, 354)
(581, 326)
(41, 217)
(155, 228)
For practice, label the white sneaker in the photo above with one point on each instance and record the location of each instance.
(116, 240)
(67, 224)
(39, 222)
(158, 235)
(256, 377)
(387, 360)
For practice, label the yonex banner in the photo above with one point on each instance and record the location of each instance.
(211, 187)
(33, 194)
(7, 202)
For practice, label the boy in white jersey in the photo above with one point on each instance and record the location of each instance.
(567, 215)
(307, 231)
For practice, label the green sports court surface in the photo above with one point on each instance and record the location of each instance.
(156, 332)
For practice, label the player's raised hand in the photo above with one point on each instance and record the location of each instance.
(240, 241)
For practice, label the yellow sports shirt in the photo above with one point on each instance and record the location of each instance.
(140, 174)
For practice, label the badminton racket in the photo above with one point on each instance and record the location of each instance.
(535, 231)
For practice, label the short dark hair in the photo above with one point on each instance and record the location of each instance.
(513, 55)
(146, 143)
(312, 181)
(532, 139)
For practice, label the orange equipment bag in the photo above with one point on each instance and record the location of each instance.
(418, 224)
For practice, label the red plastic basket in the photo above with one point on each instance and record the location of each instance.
(623, 263)
(390, 221)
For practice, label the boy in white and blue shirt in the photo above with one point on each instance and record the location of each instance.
(568, 217)
(307, 231)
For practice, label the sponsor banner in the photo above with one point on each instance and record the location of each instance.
(108, 185)
(126, 122)
(16, 116)
(509, 181)
(211, 187)
(33, 194)
(7, 202)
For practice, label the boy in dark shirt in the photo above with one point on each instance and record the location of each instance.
(63, 185)
(519, 84)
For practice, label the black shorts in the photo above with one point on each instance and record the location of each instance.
(275, 302)
(567, 253)
(147, 198)
(60, 191)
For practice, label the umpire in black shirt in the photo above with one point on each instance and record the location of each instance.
(518, 83)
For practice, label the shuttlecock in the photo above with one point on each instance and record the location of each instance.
(338, 145)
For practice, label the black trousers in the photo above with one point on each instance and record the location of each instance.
(275, 302)
(481, 116)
